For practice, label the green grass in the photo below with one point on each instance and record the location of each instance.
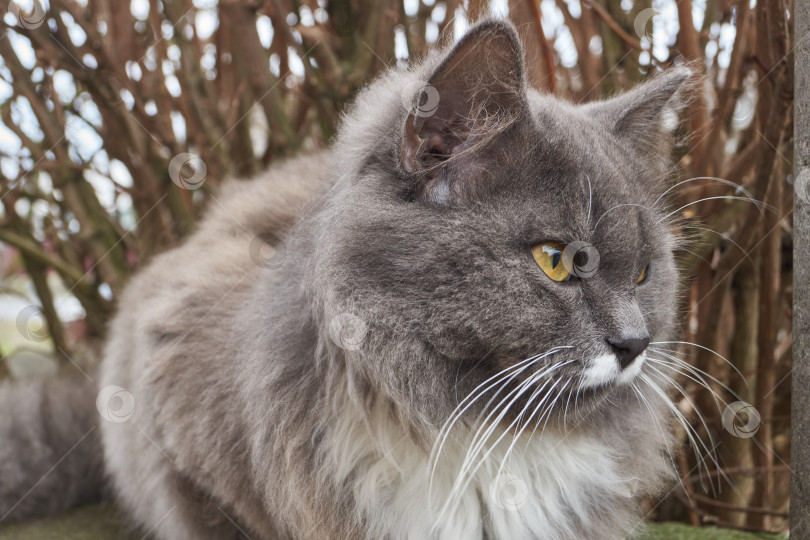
(679, 531)
(103, 522)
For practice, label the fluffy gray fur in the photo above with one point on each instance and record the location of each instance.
(303, 396)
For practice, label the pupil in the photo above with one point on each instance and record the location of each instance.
(555, 259)
(423, 98)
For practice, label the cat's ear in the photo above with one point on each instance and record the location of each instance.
(648, 115)
(478, 87)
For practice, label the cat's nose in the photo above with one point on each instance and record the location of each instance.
(628, 348)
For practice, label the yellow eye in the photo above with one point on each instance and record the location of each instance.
(643, 275)
(549, 258)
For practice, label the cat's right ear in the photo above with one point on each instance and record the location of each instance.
(478, 88)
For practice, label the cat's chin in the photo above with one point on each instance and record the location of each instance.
(590, 403)
(589, 400)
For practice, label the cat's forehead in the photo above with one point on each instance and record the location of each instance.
(565, 136)
(571, 181)
(570, 206)
(567, 160)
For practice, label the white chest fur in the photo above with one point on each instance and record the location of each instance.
(552, 486)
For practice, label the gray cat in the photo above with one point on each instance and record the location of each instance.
(437, 329)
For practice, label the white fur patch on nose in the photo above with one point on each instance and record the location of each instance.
(605, 369)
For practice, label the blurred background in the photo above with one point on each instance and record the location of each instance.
(118, 119)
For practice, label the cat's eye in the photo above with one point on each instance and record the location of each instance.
(548, 256)
(642, 277)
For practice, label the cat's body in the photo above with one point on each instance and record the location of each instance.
(303, 395)
(283, 429)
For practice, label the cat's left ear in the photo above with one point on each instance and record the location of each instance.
(648, 115)
(478, 88)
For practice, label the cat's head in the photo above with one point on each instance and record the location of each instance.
(477, 224)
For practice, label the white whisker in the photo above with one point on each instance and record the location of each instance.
(615, 207)
(668, 380)
(695, 374)
(758, 204)
(547, 412)
(642, 398)
(722, 235)
(471, 464)
(477, 446)
(705, 349)
(565, 411)
(527, 422)
(690, 430)
(735, 185)
(701, 257)
(505, 377)
(590, 194)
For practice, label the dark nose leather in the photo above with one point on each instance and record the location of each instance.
(628, 348)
